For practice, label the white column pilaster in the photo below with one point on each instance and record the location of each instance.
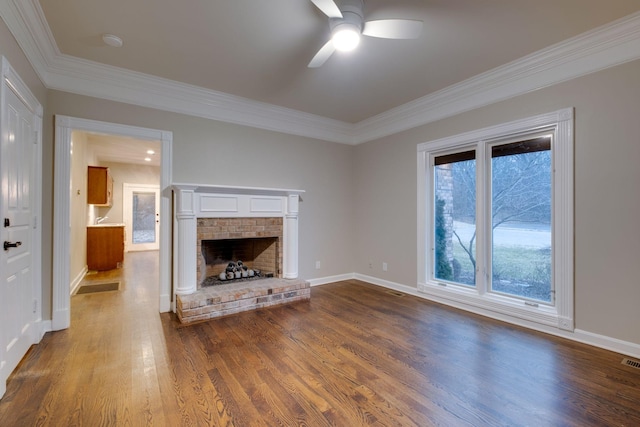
(187, 241)
(290, 252)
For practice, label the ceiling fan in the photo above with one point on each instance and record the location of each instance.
(347, 25)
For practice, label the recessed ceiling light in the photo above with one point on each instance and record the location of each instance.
(151, 152)
(111, 40)
(147, 159)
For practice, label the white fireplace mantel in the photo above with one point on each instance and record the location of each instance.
(195, 201)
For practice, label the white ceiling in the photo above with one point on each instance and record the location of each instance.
(119, 149)
(259, 49)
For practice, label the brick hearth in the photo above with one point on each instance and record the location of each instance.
(222, 300)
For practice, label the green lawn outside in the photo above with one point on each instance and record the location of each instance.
(517, 270)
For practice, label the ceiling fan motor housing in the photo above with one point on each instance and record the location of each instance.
(352, 16)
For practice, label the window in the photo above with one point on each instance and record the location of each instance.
(495, 218)
(454, 238)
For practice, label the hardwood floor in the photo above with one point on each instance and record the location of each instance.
(356, 354)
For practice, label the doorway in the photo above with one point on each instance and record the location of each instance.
(64, 127)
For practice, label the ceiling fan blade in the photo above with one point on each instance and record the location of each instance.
(393, 29)
(323, 54)
(328, 7)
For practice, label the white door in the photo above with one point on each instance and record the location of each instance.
(141, 216)
(17, 299)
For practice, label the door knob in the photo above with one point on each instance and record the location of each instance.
(8, 245)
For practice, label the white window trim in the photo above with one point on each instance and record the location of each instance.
(560, 315)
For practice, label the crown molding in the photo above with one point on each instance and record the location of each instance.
(595, 50)
(28, 25)
(89, 78)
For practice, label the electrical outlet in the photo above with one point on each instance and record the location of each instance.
(384, 266)
(317, 265)
(370, 264)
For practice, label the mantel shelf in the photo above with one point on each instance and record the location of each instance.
(228, 189)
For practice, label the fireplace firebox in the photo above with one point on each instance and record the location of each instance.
(249, 259)
(256, 242)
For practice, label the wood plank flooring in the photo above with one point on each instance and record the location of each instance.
(355, 355)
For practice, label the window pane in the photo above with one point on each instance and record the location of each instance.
(521, 219)
(455, 218)
(144, 217)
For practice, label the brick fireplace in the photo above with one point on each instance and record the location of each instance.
(219, 225)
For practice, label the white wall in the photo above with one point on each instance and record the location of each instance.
(607, 205)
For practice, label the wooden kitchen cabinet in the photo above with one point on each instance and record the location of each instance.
(99, 186)
(105, 247)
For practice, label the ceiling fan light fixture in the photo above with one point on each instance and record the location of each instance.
(345, 38)
(347, 25)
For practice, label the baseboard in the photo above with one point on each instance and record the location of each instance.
(165, 303)
(387, 284)
(60, 319)
(75, 283)
(45, 326)
(330, 279)
(601, 341)
(41, 327)
(3, 380)
(608, 343)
